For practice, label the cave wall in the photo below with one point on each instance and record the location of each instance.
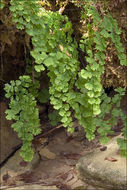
(15, 45)
(116, 75)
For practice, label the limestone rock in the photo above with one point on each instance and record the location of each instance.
(31, 187)
(45, 152)
(105, 169)
(8, 138)
(15, 165)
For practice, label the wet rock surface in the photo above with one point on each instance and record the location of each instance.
(16, 166)
(55, 162)
(105, 169)
(31, 187)
(54, 169)
(8, 138)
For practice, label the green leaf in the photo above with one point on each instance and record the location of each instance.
(49, 62)
(64, 119)
(59, 55)
(95, 66)
(27, 155)
(85, 74)
(39, 68)
(91, 94)
(96, 110)
(43, 56)
(91, 101)
(70, 129)
(105, 33)
(104, 140)
(115, 112)
(82, 47)
(89, 86)
(18, 82)
(62, 112)
(30, 32)
(120, 90)
(12, 8)
(57, 106)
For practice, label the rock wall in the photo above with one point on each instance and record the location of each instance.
(16, 44)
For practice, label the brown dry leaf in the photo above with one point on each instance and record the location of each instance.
(73, 156)
(40, 142)
(27, 177)
(47, 153)
(64, 176)
(11, 173)
(103, 148)
(68, 54)
(61, 47)
(23, 164)
(5, 177)
(69, 138)
(61, 185)
(51, 32)
(9, 178)
(111, 159)
(61, 10)
(43, 140)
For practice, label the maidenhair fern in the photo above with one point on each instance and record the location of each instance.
(23, 110)
(71, 88)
